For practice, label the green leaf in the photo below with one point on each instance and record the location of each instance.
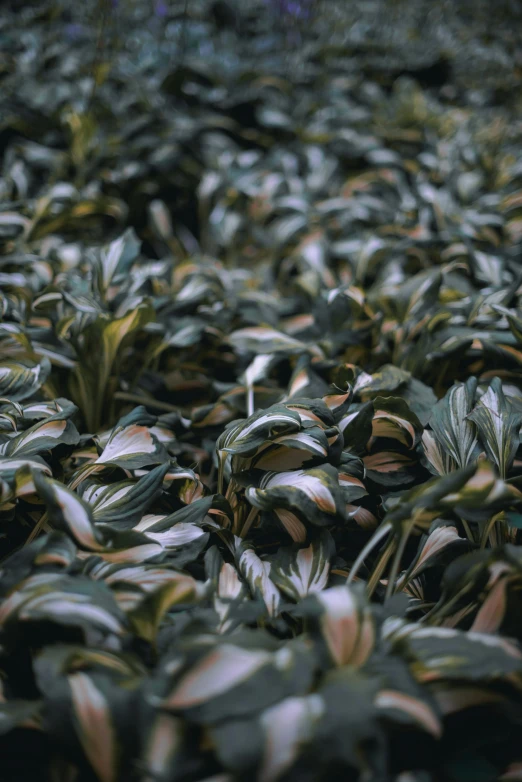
(98, 347)
(498, 425)
(132, 447)
(124, 503)
(20, 380)
(300, 571)
(451, 424)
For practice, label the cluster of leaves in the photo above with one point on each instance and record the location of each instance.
(260, 461)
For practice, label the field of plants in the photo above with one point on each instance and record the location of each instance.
(260, 391)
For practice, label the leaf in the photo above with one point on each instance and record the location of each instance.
(392, 418)
(451, 424)
(65, 601)
(99, 345)
(446, 653)
(20, 380)
(314, 494)
(288, 727)
(246, 437)
(95, 729)
(223, 669)
(115, 259)
(176, 589)
(17, 476)
(215, 686)
(300, 571)
(71, 514)
(265, 340)
(131, 447)
(256, 573)
(43, 436)
(498, 425)
(124, 502)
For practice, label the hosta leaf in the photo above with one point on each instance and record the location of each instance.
(389, 378)
(312, 411)
(17, 476)
(357, 426)
(451, 425)
(69, 512)
(392, 418)
(222, 670)
(65, 601)
(19, 381)
(314, 494)
(266, 340)
(482, 588)
(115, 259)
(162, 747)
(439, 461)
(256, 573)
(182, 541)
(300, 571)
(498, 425)
(442, 539)
(43, 436)
(55, 551)
(313, 443)
(346, 626)
(131, 447)
(125, 502)
(349, 725)
(19, 714)
(445, 653)
(304, 381)
(389, 467)
(100, 344)
(247, 436)
(94, 726)
(401, 699)
(406, 708)
(229, 588)
(217, 684)
(288, 726)
(179, 589)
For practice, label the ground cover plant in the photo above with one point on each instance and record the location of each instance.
(260, 392)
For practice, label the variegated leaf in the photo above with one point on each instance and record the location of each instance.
(20, 380)
(131, 447)
(256, 573)
(451, 425)
(342, 623)
(498, 425)
(301, 571)
(94, 726)
(314, 494)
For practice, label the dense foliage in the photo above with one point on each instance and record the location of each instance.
(260, 398)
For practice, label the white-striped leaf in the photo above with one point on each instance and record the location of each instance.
(314, 494)
(300, 571)
(288, 726)
(125, 502)
(131, 447)
(451, 424)
(43, 436)
(94, 727)
(20, 380)
(392, 418)
(346, 625)
(246, 437)
(256, 573)
(498, 425)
